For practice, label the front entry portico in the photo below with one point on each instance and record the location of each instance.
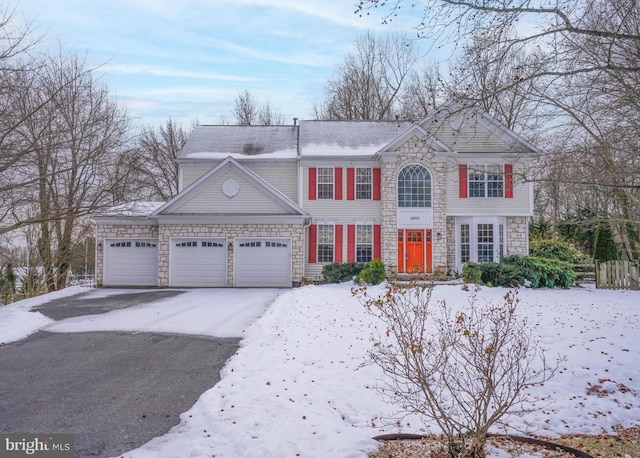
(414, 251)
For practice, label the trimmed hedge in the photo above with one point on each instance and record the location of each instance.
(341, 272)
(531, 271)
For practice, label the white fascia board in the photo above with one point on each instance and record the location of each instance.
(488, 215)
(232, 219)
(415, 130)
(504, 133)
(125, 221)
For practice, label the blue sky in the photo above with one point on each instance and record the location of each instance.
(188, 59)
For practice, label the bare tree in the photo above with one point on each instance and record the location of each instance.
(368, 84)
(157, 169)
(245, 109)
(269, 116)
(463, 368)
(248, 111)
(580, 70)
(69, 143)
(483, 76)
(424, 91)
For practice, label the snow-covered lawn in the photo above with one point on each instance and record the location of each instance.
(297, 386)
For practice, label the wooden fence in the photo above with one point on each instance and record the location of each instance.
(617, 275)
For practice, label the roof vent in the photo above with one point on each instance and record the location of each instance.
(295, 121)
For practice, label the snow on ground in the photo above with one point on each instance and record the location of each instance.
(17, 322)
(201, 312)
(297, 386)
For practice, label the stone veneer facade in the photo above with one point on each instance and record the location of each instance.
(517, 235)
(415, 151)
(165, 232)
(230, 231)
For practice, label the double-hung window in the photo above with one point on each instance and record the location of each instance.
(364, 183)
(485, 243)
(325, 182)
(486, 181)
(364, 243)
(325, 242)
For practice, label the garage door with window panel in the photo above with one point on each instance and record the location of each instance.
(131, 262)
(198, 262)
(263, 262)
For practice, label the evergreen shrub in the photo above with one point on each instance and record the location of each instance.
(558, 249)
(340, 272)
(373, 273)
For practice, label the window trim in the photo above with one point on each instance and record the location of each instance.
(320, 257)
(356, 183)
(332, 184)
(488, 178)
(499, 234)
(369, 244)
(410, 197)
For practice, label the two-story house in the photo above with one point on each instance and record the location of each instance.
(271, 205)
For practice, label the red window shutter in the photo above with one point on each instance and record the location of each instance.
(312, 183)
(377, 241)
(351, 185)
(337, 251)
(377, 183)
(462, 173)
(508, 181)
(337, 178)
(313, 242)
(351, 243)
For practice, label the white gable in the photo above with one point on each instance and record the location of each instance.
(230, 189)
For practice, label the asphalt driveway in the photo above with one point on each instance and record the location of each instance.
(113, 390)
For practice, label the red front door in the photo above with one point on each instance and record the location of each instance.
(414, 250)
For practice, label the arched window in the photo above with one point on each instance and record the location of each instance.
(414, 186)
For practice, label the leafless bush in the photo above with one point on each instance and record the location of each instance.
(463, 369)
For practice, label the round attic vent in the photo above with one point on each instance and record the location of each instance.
(456, 122)
(230, 188)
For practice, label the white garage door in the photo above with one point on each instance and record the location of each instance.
(131, 262)
(263, 262)
(198, 262)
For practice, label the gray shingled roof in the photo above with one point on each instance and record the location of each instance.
(316, 138)
(241, 140)
(365, 137)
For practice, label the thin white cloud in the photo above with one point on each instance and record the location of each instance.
(309, 60)
(158, 71)
(338, 12)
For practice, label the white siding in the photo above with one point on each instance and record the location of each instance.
(248, 200)
(341, 211)
(518, 205)
(190, 173)
(280, 174)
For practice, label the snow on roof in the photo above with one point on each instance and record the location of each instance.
(282, 154)
(138, 208)
(211, 142)
(335, 138)
(311, 138)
